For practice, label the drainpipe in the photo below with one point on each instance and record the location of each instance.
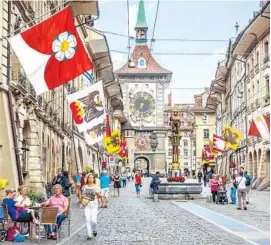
(11, 111)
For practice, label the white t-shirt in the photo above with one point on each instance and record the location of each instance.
(242, 182)
(23, 200)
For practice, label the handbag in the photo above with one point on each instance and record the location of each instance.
(12, 232)
(84, 201)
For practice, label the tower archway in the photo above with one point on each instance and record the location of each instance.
(142, 164)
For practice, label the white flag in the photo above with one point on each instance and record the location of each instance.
(88, 106)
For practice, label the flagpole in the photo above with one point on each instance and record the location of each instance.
(28, 23)
(76, 161)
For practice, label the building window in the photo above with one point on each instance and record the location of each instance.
(266, 49)
(248, 68)
(141, 63)
(170, 152)
(185, 152)
(206, 133)
(252, 62)
(257, 58)
(185, 163)
(185, 143)
(194, 153)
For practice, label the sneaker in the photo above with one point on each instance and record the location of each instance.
(247, 202)
(239, 208)
(89, 238)
(95, 233)
(245, 208)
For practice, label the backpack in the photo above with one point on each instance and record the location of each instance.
(12, 232)
(248, 182)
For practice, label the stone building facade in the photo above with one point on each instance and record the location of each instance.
(204, 128)
(241, 91)
(44, 137)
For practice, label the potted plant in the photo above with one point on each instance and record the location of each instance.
(35, 197)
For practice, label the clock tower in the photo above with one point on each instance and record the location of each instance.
(143, 88)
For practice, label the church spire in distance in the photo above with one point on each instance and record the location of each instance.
(141, 27)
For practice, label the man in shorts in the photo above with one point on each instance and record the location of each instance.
(105, 181)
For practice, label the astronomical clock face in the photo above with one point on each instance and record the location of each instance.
(142, 107)
(142, 143)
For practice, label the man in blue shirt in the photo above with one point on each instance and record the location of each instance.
(155, 182)
(105, 181)
(248, 185)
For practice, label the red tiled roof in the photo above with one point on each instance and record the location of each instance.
(152, 66)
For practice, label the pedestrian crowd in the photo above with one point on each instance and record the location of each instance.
(240, 186)
(91, 190)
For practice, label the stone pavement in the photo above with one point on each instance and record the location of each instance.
(139, 221)
(257, 215)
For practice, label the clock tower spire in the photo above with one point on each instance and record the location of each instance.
(141, 27)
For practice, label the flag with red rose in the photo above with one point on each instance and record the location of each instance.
(51, 52)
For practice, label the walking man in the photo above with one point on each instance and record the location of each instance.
(248, 185)
(105, 181)
(241, 187)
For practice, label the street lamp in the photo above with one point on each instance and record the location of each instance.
(154, 142)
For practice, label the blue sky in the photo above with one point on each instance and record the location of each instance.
(183, 20)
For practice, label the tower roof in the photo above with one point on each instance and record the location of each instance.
(142, 51)
(141, 17)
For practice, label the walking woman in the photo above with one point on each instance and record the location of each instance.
(117, 186)
(138, 183)
(89, 199)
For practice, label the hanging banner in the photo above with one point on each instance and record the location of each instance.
(112, 143)
(88, 106)
(95, 134)
(232, 137)
(51, 52)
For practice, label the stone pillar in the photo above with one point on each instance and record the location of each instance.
(34, 163)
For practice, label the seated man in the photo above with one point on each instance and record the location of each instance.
(17, 211)
(62, 203)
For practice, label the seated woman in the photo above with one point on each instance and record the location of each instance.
(25, 200)
(61, 202)
(17, 211)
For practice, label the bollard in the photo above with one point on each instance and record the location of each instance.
(155, 198)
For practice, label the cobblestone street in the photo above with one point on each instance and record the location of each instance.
(257, 215)
(131, 220)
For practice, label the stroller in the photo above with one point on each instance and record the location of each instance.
(222, 195)
(3, 230)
